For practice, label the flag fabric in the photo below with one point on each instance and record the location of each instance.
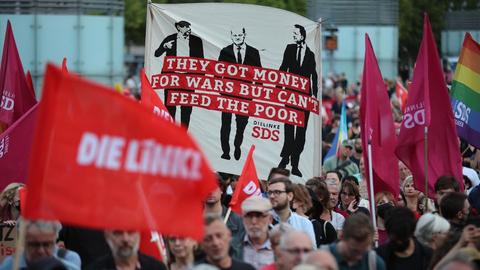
(402, 95)
(102, 160)
(428, 105)
(465, 92)
(248, 184)
(340, 136)
(151, 99)
(15, 149)
(17, 97)
(149, 244)
(377, 127)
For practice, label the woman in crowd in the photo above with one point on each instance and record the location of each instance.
(411, 197)
(182, 252)
(302, 202)
(431, 230)
(325, 232)
(349, 198)
(384, 201)
(10, 203)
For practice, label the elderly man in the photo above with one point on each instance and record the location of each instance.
(257, 249)
(40, 239)
(124, 253)
(216, 243)
(294, 245)
(321, 259)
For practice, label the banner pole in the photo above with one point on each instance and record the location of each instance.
(20, 245)
(227, 215)
(426, 166)
(372, 194)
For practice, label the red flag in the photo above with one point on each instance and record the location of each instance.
(30, 83)
(152, 100)
(95, 164)
(428, 105)
(377, 126)
(17, 98)
(248, 184)
(402, 95)
(149, 244)
(64, 65)
(15, 148)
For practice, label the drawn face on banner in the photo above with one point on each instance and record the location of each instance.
(185, 30)
(238, 35)
(297, 36)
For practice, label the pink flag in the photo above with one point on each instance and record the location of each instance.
(16, 96)
(248, 184)
(15, 148)
(377, 126)
(428, 105)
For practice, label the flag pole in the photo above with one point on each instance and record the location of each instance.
(372, 195)
(227, 215)
(426, 166)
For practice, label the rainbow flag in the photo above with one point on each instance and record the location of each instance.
(342, 134)
(465, 92)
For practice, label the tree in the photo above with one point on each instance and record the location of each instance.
(135, 14)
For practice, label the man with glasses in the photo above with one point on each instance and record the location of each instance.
(280, 193)
(294, 246)
(40, 245)
(256, 246)
(354, 250)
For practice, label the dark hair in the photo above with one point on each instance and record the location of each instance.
(351, 188)
(339, 174)
(400, 221)
(281, 171)
(285, 180)
(322, 198)
(302, 31)
(357, 227)
(350, 178)
(446, 182)
(451, 204)
(313, 182)
(301, 193)
(182, 24)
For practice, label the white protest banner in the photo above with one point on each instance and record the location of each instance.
(237, 75)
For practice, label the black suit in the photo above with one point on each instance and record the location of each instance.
(196, 50)
(251, 57)
(295, 135)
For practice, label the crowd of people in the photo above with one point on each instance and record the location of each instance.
(325, 223)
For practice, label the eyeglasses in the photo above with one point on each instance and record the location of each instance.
(298, 251)
(275, 192)
(347, 194)
(38, 244)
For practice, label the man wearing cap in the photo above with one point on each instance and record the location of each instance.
(257, 249)
(342, 163)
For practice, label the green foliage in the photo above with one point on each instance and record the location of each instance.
(135, 13)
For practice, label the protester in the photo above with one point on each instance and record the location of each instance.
(213, 206)
(275, 234)
(40, 243)
(403, 251)
(280, 193)
(411, 197)
(183, 252)
(256, 248)
(350, 199)
(302, 202)
(325, 233)
(216, 242)
(431, 230)
(124, 253)
(471, 179)
(329, 214)
(293, 246)
(444, 185)
(276, 172)
(455, 208)
(384, 202)
(342, 163)
(353, 251)
(404, 172)
(362, 202)
(10, 203)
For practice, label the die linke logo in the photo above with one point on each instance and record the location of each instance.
(414, 115)
(138, 156)
(4, 146)
(252, 189)
(7, 102)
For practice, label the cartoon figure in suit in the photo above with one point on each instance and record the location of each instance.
(298, 59)
(182, 43)
(241, 53)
